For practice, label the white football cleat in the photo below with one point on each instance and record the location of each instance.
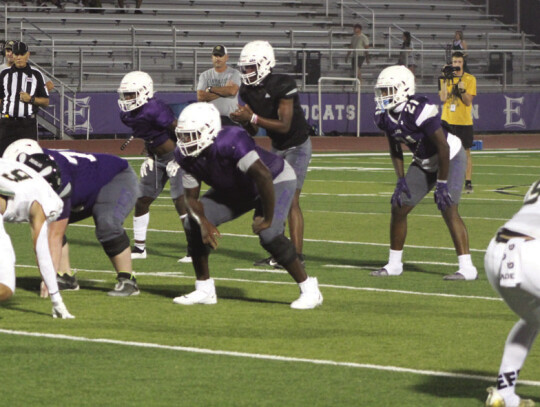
(310, 296)
(59, 310)
(205, 293)
(185, 259)
(468, 274)
(137, 253)
(496, 400)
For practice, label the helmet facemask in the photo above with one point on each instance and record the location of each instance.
(394, 86)
(135, 90)
(256, 62)
(198, 126)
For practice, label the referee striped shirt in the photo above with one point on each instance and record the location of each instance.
(15, 80)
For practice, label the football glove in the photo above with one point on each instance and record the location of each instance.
(401, 187)
(147, 165)
(443, 199)
(172, 168)
(59, 310)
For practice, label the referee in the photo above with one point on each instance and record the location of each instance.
(22, 91)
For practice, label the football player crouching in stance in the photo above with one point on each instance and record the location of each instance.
(439, 162)
(511, 264)
(27, 195)
(242, 177)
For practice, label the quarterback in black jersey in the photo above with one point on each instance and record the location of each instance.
(272, 102)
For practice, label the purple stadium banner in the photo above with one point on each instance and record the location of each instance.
(493, 112)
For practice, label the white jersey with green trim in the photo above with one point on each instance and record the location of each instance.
(22, 186)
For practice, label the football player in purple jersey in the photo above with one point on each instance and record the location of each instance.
(153, 121)
(242, 177)
(101, 186)
(439, 162)
(272, 103)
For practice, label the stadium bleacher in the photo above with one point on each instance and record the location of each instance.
(172, 39)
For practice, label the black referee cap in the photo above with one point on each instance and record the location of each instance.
(19, 48)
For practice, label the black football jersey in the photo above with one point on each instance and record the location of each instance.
(264, 101)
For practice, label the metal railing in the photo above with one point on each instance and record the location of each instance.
(414, 39)
(354, 12)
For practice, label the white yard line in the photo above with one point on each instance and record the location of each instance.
(259, 356)
(344, 242)
(248, 281)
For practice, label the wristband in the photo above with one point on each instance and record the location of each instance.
(254, 118)
(32, 100)
(442, 181)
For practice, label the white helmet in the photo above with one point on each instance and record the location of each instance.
(25, 145)
(260, 56)
(138, 86)
(394, 85)
(197, 127)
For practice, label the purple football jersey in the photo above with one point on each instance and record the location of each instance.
(417, 121)
(87, 173)
(217, 165)
(150, 122)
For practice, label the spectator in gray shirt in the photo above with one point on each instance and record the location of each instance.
(359, 43)
(219, 85)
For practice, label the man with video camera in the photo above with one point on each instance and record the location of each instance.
(457, 91)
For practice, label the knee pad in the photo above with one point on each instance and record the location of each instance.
(281, 249)
(196, 247)
(117, 245)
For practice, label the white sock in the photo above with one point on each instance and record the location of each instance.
(309, 284)
(395, 265)
(140, 225)
(516, 349)
(206, 286)
(465, 261)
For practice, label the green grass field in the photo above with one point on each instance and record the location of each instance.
(413, 340)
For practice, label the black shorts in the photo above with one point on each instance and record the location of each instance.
(464, 133)
(12, 129)
(359, 62)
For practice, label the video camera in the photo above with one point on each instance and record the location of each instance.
(448, 71)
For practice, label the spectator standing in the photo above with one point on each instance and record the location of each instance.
(438, 161)
(406, 57)
(242, 177)
(272, 103)
(22, 92)
(8, 55)
(359, 44)
(457, 94)
(153, 121)
(28, 197)
(459, 44)
(511, 264)
(220, 85)
(138, 3)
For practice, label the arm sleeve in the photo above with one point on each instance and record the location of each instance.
(45, 264)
